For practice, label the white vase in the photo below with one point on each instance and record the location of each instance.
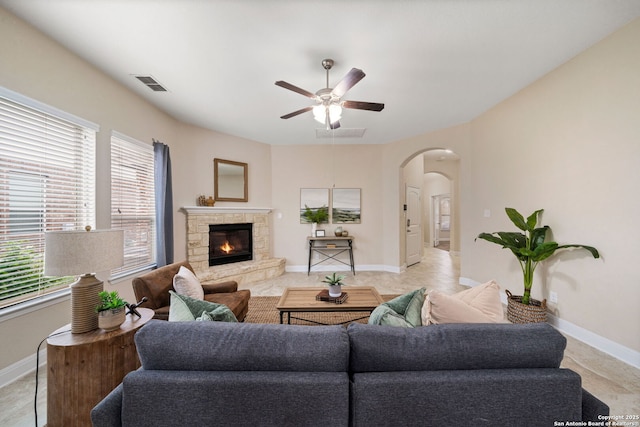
(335, 290)
(110, 320)
(314, 227)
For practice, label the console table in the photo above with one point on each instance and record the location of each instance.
(329, 248)
(83, 368)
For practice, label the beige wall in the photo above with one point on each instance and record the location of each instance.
(573, 131)
(326, 166)
(569, 143)
(33, 65)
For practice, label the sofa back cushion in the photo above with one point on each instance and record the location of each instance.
(221, 346)
(454, 346)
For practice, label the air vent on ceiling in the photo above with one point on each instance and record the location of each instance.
(151, 83)
(340, 133)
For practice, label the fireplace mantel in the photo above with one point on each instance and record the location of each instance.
(223, 210)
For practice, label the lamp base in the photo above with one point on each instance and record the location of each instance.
(84, 300)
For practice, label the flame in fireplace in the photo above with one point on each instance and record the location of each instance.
(226, 247)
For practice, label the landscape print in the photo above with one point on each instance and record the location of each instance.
(346, 206)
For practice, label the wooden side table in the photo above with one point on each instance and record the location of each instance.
(83, 368)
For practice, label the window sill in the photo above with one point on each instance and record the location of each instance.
(34, 304)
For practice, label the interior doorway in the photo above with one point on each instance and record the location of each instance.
(441, 221)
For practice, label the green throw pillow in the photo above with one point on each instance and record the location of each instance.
(404, 311)
(184, 308)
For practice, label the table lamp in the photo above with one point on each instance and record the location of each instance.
(83, 253)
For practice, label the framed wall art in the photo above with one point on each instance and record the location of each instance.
(345, 204)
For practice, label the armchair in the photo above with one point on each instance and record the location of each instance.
(156, 285)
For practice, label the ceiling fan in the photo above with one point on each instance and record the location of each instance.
(329, 103)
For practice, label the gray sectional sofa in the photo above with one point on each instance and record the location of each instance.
(219, 374)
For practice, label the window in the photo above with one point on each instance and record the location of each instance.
(133, 202)
(47, 182)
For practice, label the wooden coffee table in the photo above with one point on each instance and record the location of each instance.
(303, 300)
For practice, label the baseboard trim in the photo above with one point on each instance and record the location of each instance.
(605, 345)
(333, 267)
(21, 368)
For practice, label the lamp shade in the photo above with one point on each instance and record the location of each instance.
(73, 253)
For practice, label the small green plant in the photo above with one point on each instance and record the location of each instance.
(334, 279)
(110, 301)
(317, 215)
(529, 247)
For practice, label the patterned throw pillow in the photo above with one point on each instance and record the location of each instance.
(403, 311)
(184, 309)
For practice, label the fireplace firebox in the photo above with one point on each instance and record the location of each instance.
(230, 243)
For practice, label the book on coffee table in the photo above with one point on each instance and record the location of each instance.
(323, 295)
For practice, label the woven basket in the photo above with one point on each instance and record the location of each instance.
(517, 312)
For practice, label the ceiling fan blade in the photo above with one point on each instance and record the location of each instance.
(334, 125)
(359, 105)
(295, 113)
(295, 89)
(348, 81)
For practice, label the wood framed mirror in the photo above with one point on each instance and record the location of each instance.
(230, 181)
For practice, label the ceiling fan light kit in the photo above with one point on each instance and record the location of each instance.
(329, 103)
(321, 111)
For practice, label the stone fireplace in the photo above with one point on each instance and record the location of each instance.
(260, 266)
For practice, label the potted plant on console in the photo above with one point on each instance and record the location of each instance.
(529, 248)
(335, 284)
(111, 311)
(315, 216)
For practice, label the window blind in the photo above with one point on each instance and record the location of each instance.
(47, 183)
(133, 202)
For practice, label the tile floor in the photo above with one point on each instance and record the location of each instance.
(611, 380)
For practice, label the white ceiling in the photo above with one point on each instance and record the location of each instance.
(433, 63)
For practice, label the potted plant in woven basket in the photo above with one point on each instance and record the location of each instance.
(530, 248)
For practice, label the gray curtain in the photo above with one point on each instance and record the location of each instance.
(164, 204)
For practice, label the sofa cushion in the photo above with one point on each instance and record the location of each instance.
(484, 397)
(235, 398)
(455, 346)
(403, 311)
(223, 346)
(480, 304)
(186, 283)
(184, 308)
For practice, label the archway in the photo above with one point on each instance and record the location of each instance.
(436, 173)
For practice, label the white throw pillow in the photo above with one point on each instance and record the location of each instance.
(480, 304)
(186, 283)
